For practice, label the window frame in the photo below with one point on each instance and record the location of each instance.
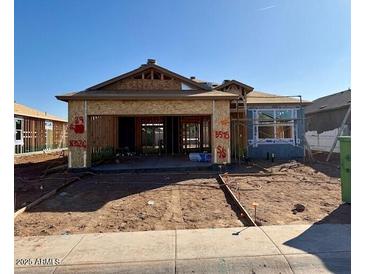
(260, 123)
(21, 130)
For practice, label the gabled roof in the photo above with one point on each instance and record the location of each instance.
(330, 102)
(199, 90)
(230, 82)
(23, 110)
(145, 67)
(258, 97)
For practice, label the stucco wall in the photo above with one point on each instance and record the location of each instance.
(218, 109)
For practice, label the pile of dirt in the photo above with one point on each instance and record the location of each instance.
(300, 195)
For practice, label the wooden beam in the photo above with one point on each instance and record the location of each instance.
(244, 212)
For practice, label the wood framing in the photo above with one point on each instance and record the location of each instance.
(34, 135)
(112, 113)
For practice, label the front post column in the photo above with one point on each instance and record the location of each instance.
(78, 154)
(221, 128)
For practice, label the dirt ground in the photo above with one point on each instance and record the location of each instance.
(160, 201)
(42, 158)
(277, 196)
(33, 176)
(131, 202)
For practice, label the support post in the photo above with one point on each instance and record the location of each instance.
(221, 131)
(339, 133)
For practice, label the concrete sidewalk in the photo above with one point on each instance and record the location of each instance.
(271, 249)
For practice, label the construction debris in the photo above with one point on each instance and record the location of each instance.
(298, 208)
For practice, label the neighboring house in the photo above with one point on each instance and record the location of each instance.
(324, 118)
(154, 110)
(36, 131)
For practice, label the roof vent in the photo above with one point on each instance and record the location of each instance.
(151, 61)
(192, 77)
(225, 81)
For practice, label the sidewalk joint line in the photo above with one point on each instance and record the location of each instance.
(286, 259)
(78, 242)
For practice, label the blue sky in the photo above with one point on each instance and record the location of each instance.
(285, 47)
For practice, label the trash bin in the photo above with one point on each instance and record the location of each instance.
(345, 162)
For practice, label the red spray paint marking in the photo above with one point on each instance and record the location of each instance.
(78, 125)
(77, 143)
(221, 151)
(221, 134)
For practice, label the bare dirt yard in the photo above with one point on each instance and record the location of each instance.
(131, 202)
(302, 194)
(37, 174)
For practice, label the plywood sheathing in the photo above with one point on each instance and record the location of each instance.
(76, 109)
(259, 98)
(148, 71)
(220, 121)
(144, 84)
(221, 148)
(157, 108)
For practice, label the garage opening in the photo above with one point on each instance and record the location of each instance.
(148, 135)
(126, 134)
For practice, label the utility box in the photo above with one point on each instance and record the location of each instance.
(345, 162)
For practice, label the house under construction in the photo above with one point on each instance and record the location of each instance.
(37, 131)
(152, 110)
